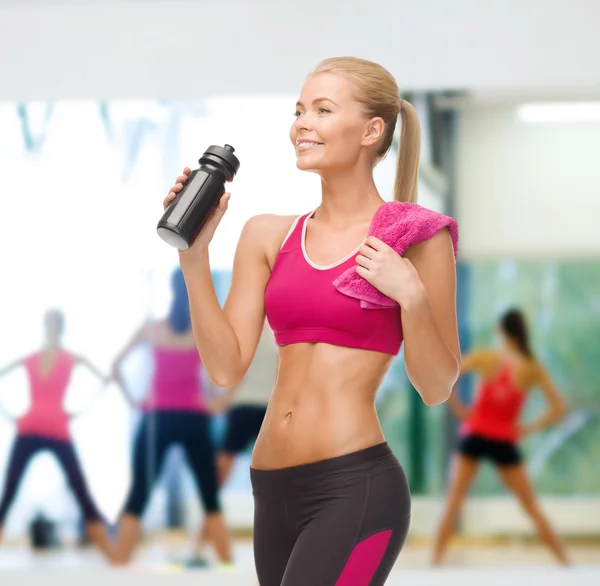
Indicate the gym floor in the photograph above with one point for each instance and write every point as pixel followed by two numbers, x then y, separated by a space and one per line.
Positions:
pixel 517 563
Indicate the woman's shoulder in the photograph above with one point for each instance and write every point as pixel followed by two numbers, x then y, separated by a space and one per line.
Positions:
pixel 269 223
pixel 484 360
pixel 268 229
pixel 415 230
pixel 535 367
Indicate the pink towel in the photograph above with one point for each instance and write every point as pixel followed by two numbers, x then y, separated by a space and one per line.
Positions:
pixel 399 225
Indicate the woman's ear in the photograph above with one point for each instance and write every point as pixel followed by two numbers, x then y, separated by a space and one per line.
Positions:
pixel 373 131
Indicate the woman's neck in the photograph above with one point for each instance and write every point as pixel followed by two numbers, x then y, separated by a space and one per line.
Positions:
pixel 348 198
pixel 512 350
pixel 51 347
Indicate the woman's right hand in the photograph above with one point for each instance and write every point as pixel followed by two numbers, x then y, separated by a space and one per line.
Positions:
pixel 177 187
pixel 208 230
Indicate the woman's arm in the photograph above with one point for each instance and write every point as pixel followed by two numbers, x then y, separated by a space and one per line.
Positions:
pixel 429 323
pixel 473 361
pixel 103 378
pixel 423 282
pixel 11 366
pixel 227 338
pixel 140 336
pixel 556 404
pixel 3 371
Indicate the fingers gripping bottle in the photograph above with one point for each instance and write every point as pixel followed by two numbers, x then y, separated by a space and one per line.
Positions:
pixel 201 193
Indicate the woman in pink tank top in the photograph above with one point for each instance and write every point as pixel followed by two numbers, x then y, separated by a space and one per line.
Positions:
pixel 332 503
pixel 492 428
pixel 45 426
pixel 175 413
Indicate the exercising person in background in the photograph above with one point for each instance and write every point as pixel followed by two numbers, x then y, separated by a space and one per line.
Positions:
pixel 246 403
pixel 174 413
pixel 45 426
pixel 491 427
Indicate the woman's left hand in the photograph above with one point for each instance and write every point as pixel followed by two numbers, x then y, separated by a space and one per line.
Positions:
pixel 390 273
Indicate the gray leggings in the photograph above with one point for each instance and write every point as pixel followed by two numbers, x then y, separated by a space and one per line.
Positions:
pixel 336 522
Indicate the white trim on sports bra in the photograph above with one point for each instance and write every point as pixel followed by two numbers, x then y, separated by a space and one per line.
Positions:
pixel 310 262
pixel 294 224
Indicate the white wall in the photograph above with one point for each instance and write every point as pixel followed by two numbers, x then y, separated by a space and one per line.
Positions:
pixel 527 190
pixel 188 49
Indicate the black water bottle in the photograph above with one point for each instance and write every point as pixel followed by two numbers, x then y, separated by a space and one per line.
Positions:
pixel 201 193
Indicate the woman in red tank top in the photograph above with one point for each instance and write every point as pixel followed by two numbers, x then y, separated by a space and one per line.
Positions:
pixel 45 427
pixel 491 427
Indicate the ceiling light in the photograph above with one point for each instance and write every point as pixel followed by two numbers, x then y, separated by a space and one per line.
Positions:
pixel 560 112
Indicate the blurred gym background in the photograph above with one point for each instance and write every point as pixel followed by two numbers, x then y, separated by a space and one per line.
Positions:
pixel 103 103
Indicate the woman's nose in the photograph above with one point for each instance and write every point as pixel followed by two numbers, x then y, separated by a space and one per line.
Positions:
pixel 304 122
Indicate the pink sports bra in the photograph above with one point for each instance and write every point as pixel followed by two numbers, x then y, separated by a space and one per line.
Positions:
pixel 302 305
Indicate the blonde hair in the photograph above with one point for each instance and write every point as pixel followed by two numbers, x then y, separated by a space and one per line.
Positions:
pixel 378 92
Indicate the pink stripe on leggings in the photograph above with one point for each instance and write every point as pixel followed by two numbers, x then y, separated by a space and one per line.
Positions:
pixel 364 560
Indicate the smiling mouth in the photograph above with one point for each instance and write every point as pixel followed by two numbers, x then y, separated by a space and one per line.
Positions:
pixel 303 145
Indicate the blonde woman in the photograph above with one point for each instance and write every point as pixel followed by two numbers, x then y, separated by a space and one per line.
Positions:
pixel 332 503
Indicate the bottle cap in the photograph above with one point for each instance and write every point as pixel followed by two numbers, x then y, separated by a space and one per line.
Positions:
pixel 222 157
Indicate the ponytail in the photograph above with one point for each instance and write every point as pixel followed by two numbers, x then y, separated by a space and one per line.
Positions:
pixel 407 166
pixel 514 325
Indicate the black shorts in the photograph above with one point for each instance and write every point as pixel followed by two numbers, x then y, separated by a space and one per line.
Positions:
pixel 501 453
pixel 338 521
pixel 243 425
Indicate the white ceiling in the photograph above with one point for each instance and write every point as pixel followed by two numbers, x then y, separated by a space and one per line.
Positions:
pixel 188 49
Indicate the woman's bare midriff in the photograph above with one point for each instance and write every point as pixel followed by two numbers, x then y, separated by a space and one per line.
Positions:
pixel 323 405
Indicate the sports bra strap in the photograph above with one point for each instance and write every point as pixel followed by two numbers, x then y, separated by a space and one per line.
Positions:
pixel 295 228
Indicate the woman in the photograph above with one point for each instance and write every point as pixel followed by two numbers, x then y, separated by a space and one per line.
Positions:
pixel 45 426
pixel 332 503
pixel 491 428
pixel 175 413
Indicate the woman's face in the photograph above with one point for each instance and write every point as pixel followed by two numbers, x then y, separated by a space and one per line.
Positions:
pixel 330 129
